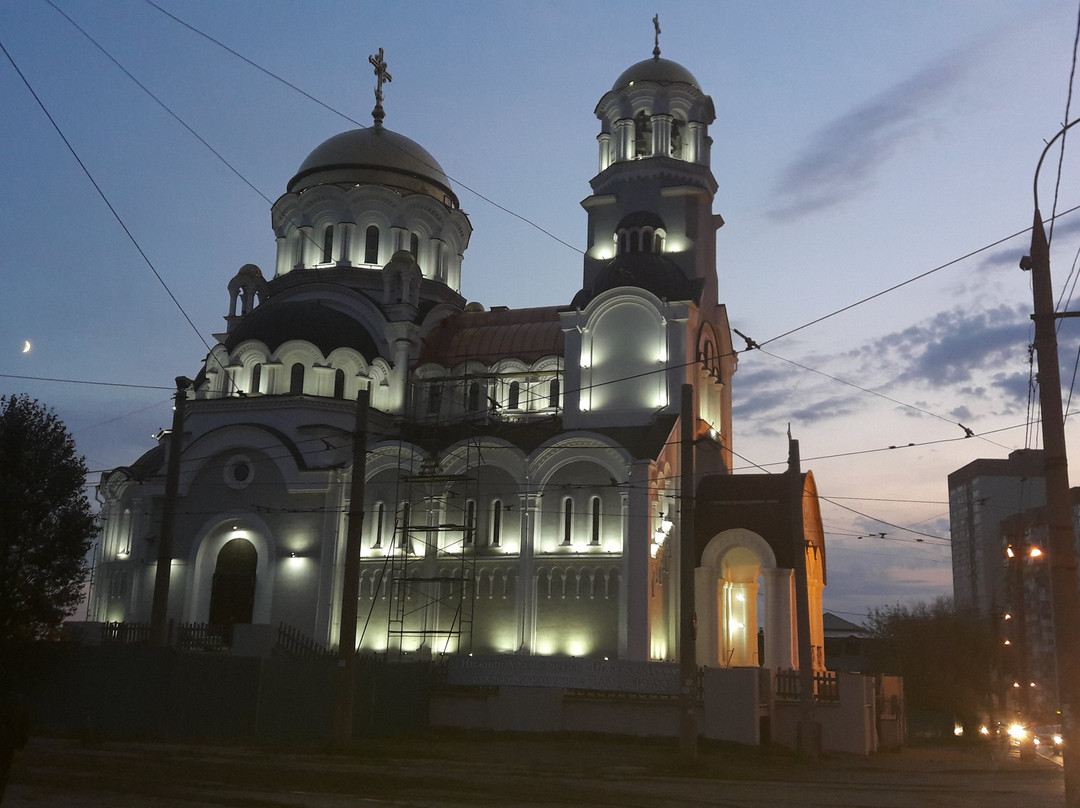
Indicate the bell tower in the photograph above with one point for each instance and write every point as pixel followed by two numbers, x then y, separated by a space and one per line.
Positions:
pixel 655 188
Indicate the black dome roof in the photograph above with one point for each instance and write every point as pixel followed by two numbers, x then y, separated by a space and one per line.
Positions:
pixel 276 323
pixel 660 71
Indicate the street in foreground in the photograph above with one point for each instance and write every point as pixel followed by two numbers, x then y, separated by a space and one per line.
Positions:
pixel 525 771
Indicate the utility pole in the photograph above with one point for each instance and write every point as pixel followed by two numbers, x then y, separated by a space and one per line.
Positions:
pixel 350 588
pixel 1065 597
pixel 688 729
pixel 808 738
pixel 159 611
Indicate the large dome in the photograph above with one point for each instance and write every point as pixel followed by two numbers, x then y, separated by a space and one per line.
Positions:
pixel 660 71
pixel 374 155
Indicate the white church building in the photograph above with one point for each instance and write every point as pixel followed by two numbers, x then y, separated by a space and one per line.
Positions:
pixel 522 493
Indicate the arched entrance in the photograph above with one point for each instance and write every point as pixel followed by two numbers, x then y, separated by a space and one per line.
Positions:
pixel 726 596
pixel 232 597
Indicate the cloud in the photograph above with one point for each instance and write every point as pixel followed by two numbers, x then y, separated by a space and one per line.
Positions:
pixel 841 160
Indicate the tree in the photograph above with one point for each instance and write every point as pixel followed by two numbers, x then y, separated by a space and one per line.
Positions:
pixel 46 526
pixel 946 657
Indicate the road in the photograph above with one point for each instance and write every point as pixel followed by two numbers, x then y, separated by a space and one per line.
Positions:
pixel 451 771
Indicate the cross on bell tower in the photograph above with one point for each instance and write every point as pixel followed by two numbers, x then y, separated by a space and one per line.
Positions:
pixel 381 73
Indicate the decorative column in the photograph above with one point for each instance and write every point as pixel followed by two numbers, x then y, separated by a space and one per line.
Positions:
pixel 661 135
pixel 634 586
pixel 604 141
pixel 780 651
pixel 624 140
pixel 525 595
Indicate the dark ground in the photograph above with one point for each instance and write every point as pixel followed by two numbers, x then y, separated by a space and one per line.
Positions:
pixel 439 770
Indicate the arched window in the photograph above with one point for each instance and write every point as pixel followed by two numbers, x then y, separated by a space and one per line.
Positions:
pixel 339 383
pixel 377 532
pixel 371 246
pixel 256 378
pixel 635 243
pixel 406 512
pixel 470 521
pixel 658 242
pixel 594 526
pixel 514 401
pixel 472 403
pixel 553 393
pixel 328 245
pixel 642 134
pixel 434 402
pixel 296 380
pixel 414 245
pixel 568 521
pixel 496 522
pixel 622 243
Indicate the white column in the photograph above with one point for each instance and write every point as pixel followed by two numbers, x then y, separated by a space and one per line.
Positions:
pixel 780 648
pixel 709 614
pixel 624 140
pixel 634 586
pixel 343 248
pixel 526 589
pixel 303 247
pixel 661 135
pixel 282 264
pixel 604 140
pixel 693 147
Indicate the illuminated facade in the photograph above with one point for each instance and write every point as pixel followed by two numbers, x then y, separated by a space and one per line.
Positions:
pixel 522 490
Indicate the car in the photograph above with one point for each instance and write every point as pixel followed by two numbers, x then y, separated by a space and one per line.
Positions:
pixel 1050 738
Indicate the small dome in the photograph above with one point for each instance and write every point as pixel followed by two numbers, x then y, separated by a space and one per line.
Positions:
pixel 656 70
pixel 374 155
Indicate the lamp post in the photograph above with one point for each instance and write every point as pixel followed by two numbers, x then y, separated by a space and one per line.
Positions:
pixel 1065 597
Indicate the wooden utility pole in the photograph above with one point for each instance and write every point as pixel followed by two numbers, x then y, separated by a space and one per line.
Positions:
pixel 159 611
pixel 350 588
pixel 1065 596
pixel 688 729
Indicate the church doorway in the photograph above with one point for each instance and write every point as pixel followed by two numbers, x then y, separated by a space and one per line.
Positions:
pixel 232 598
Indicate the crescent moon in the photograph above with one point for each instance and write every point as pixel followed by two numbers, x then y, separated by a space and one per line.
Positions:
pixel 26 346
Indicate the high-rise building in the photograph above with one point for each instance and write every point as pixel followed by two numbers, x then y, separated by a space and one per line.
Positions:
pixel 981 495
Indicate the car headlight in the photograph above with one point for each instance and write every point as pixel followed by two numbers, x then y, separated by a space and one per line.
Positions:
pixel 1017 732
pixel 1057 739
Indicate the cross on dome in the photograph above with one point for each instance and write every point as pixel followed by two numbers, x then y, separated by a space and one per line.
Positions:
pixel 381 73
pixel 656 40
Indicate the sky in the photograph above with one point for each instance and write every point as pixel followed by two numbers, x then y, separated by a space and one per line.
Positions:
pixel 858 146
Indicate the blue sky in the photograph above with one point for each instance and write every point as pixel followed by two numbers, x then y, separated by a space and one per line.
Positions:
pixel 857 145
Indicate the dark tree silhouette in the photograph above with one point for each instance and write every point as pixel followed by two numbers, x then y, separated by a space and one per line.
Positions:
pixel 946 657
pixel 46 527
